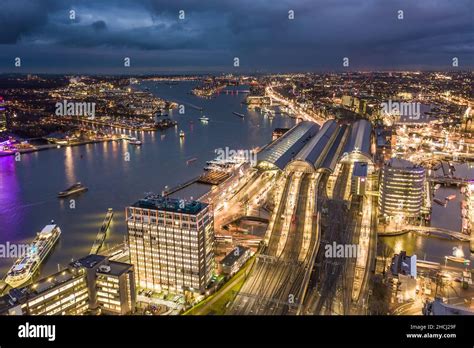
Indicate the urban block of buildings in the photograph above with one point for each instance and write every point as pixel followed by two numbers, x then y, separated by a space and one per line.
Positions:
pixel 92 284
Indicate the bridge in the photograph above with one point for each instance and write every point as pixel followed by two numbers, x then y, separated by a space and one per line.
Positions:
pixel 427 230
pixel 450 181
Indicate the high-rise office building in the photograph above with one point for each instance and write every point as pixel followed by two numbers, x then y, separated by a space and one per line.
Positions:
pixel 171 243
pixel 401 189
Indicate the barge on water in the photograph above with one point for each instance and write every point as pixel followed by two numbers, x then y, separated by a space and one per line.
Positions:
pixel 74 189
pixel 238 114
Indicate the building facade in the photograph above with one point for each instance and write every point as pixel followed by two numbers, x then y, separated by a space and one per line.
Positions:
pixel 91 284
pixel 115 284
pixel 401 189
pixel 171 243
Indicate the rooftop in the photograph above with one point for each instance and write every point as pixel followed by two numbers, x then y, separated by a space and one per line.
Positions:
pixel 360 169
pixel 41 286
pixel 401 163
pixel 360 138
pixel 158 202
pixel 88 261
pixel 281 151
pixel 114 268
pixel 334 153
pixel 234 255
pixel 441 308
pixel 315 149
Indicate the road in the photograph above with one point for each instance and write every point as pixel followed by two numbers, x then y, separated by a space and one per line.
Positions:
pixel 294 107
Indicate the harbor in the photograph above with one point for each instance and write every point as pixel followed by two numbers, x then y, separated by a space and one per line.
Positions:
pixel 162 160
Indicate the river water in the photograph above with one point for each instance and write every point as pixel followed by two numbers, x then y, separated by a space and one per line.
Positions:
pixel 28 188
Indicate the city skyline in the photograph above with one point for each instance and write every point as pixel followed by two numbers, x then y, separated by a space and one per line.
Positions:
pixel 247 159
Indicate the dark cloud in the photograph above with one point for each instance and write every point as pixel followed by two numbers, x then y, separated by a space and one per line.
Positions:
pixel 259 32
pixel 99 25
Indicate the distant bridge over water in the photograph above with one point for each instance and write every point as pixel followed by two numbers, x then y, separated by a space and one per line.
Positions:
pixel 427 231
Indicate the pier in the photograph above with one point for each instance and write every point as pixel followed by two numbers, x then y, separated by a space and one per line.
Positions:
pixel 172 190
pixel 99 240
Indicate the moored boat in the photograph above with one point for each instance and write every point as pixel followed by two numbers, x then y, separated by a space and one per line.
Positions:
pixel 27 265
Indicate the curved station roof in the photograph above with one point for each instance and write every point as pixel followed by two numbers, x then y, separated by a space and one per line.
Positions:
pixel 281 151
pixel 359 143
pixel 307 147
pixel 314 153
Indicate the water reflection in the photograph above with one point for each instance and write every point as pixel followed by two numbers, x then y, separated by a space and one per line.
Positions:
pixel 30 186
pixel 69 165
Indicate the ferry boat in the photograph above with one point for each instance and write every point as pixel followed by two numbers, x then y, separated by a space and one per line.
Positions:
pixel 135 142
pixel 237 114
pixel 6 148
pixel 204 119
pixel 74 189
pixel 26 266
pixel 181 134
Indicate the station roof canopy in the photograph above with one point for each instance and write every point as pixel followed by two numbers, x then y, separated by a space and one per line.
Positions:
pixel 334 153
pixel 359 141
pixel 315 151
pixel 282 151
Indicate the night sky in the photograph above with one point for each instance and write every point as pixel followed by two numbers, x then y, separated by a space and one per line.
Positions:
pixel 213 32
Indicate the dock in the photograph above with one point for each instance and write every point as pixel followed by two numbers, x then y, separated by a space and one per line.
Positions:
pixel 179 187
pixel 99 240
